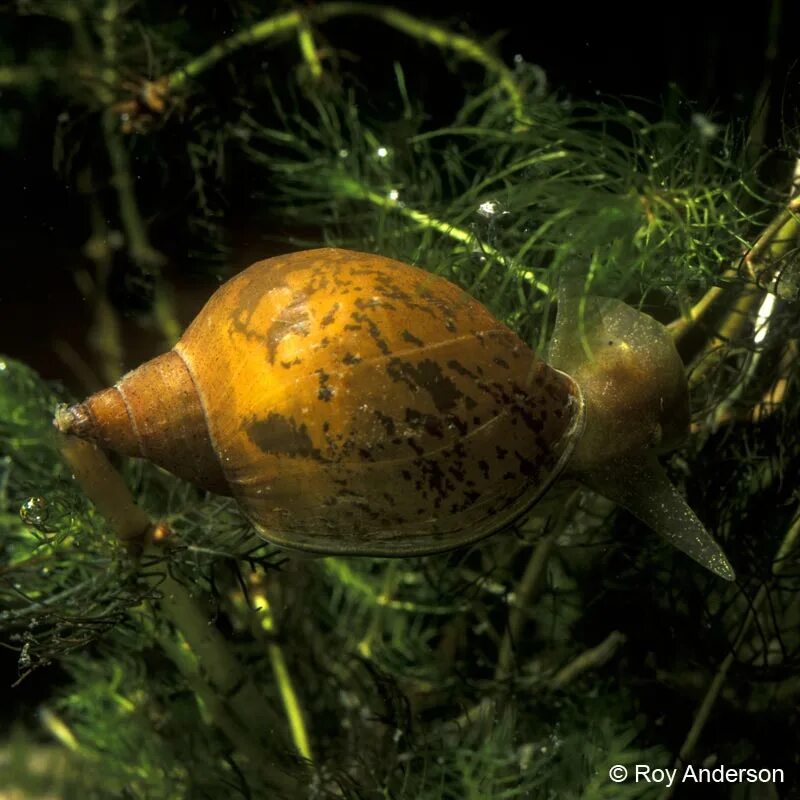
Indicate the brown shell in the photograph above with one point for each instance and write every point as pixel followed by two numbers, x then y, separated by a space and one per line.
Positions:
pixel 359 405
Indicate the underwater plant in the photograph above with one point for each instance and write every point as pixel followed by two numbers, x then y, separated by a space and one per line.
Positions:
pixel 174 650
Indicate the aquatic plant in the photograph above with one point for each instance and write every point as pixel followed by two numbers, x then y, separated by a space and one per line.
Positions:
pixel 186 657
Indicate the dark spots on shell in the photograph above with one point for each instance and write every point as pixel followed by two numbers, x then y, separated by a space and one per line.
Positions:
pixel 365 454
pixel 450 325
pixel 282 436
pixel 374 272
pixel 458 423
pixel 457 473
pixel 406 474
pixel 341 282
pixel 293 320
pixel 459 368
pixel 373 302
pixel 476 421
pixel 558 413
pixel 387 422
pixel 411 339
pixel 500 452
pixel 526 466
pixel 392 291
pixel 523 410
pixel 469 402
pixel 483 466
pixel 350 359
pixel 501 362
pixel 470 498
pixel 426 375
pixel 435 478
pixel 329 318
pixel 459 451
pixel 509 476
pixel 412 443
pixel 324 393
pixel 420 421
pixel 351 327
pixel 555 391
pixel 373 329
pixel 288 364
pixel 319 281
pixel 326 426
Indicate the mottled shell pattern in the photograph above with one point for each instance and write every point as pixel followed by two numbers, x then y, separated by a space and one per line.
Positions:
pixel 359 405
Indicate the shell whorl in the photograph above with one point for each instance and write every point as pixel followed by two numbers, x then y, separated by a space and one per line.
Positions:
pixel 153 412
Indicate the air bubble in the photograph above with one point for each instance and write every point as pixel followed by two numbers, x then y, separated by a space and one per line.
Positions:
pixel 35 512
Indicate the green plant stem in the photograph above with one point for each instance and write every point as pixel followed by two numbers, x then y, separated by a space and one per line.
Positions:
pixel 280 24
pixel 181 655
pixel 140 249
pixel 729 329
pixel 590 659
pixel 527 593
pixel 264 630
pixel 790 541
pixel 530 588
pixel 352 188
pixel 212 660
pixel 779 237
pixel 305 40
pixel 774 243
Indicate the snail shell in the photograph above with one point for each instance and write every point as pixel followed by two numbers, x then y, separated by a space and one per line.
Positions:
pixel 354 404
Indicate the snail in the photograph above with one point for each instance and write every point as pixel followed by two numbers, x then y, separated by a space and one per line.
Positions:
pixel 353 404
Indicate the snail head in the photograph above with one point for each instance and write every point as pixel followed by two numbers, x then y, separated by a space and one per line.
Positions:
pixel 636 402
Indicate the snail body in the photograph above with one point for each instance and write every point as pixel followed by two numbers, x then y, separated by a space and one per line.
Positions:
pixel 353 404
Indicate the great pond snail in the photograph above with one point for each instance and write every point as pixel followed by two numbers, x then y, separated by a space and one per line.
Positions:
pixel 353 404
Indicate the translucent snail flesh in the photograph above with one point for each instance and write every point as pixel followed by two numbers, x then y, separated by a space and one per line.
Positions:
pixel 354 404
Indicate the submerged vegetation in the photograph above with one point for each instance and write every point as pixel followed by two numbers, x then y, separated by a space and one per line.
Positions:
pixel 203 662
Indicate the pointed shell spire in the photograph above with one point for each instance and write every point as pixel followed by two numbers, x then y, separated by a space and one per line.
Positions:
pixel 153 412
